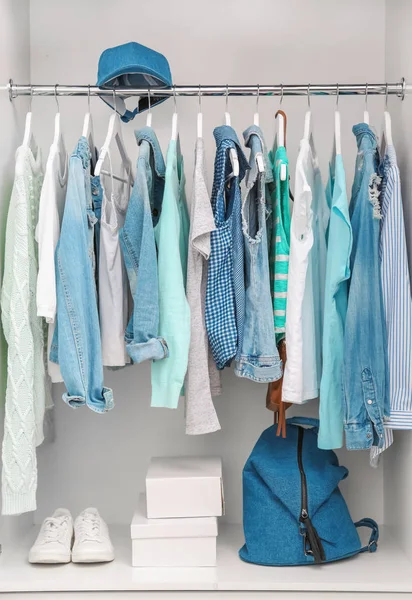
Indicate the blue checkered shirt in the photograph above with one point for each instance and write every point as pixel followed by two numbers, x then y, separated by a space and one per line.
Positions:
pixel 225 292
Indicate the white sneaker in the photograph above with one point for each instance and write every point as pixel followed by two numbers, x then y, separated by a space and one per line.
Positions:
pixel 91 538
pixel 54 542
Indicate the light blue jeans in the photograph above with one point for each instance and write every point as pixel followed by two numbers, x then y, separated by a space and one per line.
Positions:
pixel 139 250
pixel 259 357
pixel 76 343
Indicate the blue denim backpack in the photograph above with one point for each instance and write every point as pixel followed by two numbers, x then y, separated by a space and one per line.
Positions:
pixel 293 510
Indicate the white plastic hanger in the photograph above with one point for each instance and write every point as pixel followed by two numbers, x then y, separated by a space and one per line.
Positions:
pixel 28 139
pixel 227 113
pixel 232 152
pixel 366 112
pixel 58 136
pixel 175 132
pixel 256 115
pixel 88 123
pixel 114 132
pixel 338 143
pixel 281 141
pixel 308 119
pixel 259 158
pixel 149 114
pixel 387 125
pixel 200 117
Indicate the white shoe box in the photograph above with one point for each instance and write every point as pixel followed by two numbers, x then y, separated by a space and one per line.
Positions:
pixel 172 542
pixel 184 487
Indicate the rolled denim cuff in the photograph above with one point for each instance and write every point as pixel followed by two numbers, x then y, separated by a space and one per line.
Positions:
pixel 263 369
pixel 358 437
pixel 153 349
pixel 74 401
pixel 99 405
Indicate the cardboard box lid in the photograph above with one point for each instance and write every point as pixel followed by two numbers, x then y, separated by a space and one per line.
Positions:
pixel 144 528
pixel 182 467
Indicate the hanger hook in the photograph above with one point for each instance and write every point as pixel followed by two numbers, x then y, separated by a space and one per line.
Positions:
pixel 149 99
pixel 200 99
pixel 337 96
pixel 386 96
pixel 31 97
pixel 88 96
pixel 257 98
pixel 308 94
pixel 174 97
pixel 114 100
pixel 227 97
pixel 55 97
pixel 366 96
pixel 281 94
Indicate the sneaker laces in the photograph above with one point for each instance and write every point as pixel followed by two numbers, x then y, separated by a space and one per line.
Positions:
pixel 89 527
pixel 54 530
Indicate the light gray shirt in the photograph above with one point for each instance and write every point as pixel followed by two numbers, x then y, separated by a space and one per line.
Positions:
pixel 203 378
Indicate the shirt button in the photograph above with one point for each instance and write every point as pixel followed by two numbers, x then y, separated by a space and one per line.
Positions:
pixel 370 401
pixel 369 435
pixel 94 192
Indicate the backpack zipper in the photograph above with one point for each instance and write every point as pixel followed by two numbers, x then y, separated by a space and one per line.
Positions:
pixel 312 542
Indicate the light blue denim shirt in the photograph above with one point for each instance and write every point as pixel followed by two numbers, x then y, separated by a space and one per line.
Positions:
pixel 137 240
pixel 259 358
pixel 76 342
pixel 366 378
pixel 336 304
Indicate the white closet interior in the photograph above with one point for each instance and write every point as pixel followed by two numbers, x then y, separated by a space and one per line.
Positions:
pixel 101 460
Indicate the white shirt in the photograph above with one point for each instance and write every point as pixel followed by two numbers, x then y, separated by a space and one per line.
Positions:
pixel 113 283
pixel 307 266
pixel 51 209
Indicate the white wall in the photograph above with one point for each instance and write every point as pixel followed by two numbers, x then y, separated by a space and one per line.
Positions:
pixel 14 63
pixel 398 471
pixel 101 460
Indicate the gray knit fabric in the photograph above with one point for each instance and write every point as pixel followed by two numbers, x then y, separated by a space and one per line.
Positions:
pixel 203 378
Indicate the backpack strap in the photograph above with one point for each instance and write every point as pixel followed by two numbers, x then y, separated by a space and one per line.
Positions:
pixel 373 540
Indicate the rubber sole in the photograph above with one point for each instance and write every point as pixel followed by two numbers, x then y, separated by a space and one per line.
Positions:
pixel 78 558
pixel 49 560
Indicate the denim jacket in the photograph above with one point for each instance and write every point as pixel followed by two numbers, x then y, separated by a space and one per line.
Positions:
pixel 365 376
pixel 76 342
pixel 225 290
pixel 137 240
pixel 259 357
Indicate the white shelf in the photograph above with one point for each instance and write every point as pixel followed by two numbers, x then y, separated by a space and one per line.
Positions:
pixel 388 570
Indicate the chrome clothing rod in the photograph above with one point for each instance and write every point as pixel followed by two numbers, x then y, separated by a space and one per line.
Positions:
pixel 344 89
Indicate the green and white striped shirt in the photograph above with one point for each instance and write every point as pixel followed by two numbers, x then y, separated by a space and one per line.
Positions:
pixel 280 241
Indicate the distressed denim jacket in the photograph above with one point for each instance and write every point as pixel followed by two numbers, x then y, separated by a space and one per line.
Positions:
pixel 76 342
pixel 225 290
pixel 259 357
pixel 137 240
pixel 365 376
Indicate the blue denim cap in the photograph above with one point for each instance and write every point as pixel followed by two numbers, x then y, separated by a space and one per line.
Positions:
pixel 133 65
